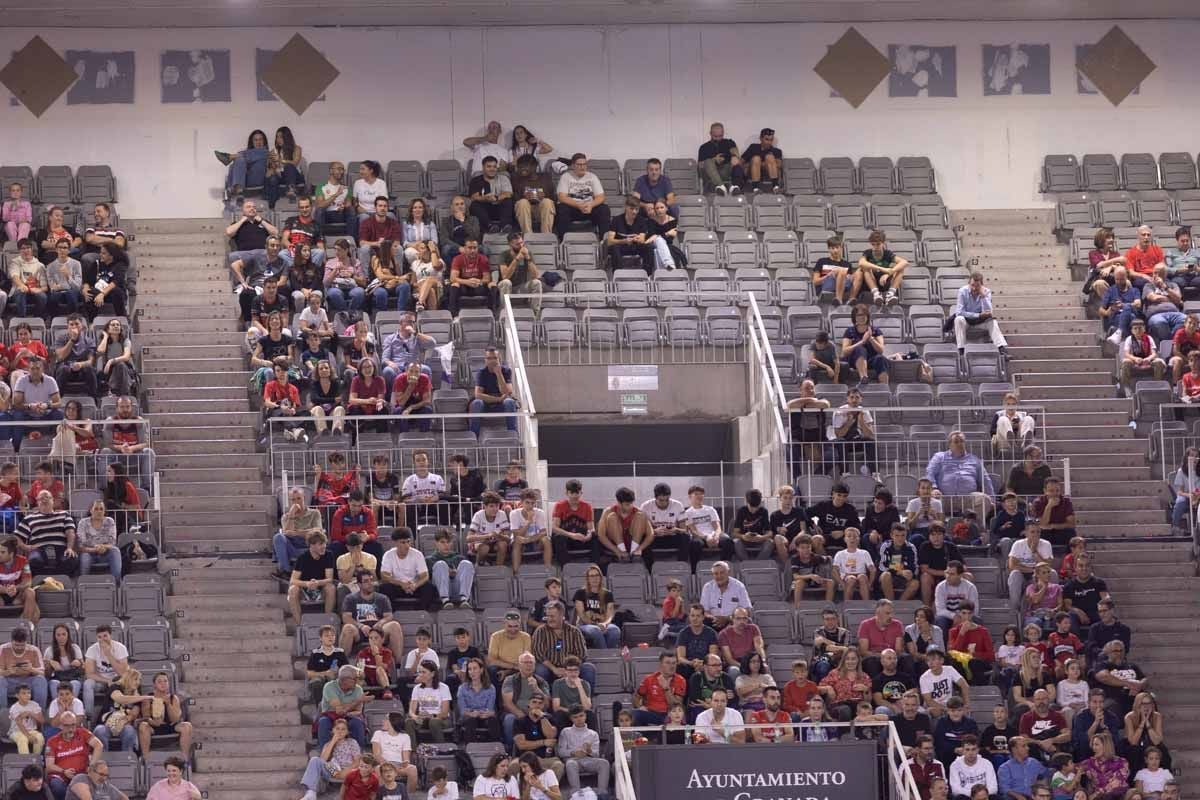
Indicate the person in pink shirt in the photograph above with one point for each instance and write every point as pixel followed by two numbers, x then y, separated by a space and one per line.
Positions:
pixel 876 634
pixel 17 214
pixel 174 787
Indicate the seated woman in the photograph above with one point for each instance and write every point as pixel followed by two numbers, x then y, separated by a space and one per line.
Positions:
pixel 1011 427
pixel 116 357
pixel 751 682
pixel 314 319
pixel 428 276
pixel 1103 260
pixel 120 712
pixel 21 351
pixel 1105 774
pixel 1043 598
pixel 418 227
pixel 455 228
pixel 305 278
pixel 339 757
pixel 74 435
pixel 56 230
pixel 664 230
pixel 96 539
pixel 345 280
pixel 325 399
pixel 283 167
pixel 275 345
pixel 121 498
pixel 333 201
pixel 109 287
pixel 367 392
pixel 524 143
pixel 389 278
pixel 429 706
pixel 247 167
pixel 1032 676
pixel 1144 733
pixel 368 187
pixel 862 346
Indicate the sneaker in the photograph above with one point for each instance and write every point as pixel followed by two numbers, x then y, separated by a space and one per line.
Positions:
pixel 756 188
pixel 464 602
pixel 420 308
pixel 224 158
pixel 890 298
pixel 735 189
pixel 447 604
pixel 722 190
pixel 877 298
pixel 776 188
pixel 1004 351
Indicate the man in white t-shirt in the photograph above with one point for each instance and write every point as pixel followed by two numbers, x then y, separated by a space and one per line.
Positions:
pixel 721 724
pixel 666 516
pixel 488 145
pixel 392 746
pixel 722 596
pixel 1023 558
pixel 530 531
pixel 853 569
pixel 404 574
pixel 937 683
pixel 854 429
pixel 489 531
pixel 580 198
pixel 422 493
pixel 104 662
pixel 703 525
pixel 64 701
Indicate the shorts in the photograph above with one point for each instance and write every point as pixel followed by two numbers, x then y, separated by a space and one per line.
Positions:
pixel 898 581
pixel 533 545
pixel 166 729
pixel 311 595
pixel 828 283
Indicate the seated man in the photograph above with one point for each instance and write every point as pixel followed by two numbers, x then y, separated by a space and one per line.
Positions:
pixel 47 538
pixel 126 435
pixel 623 530
pixel 959 476
pixel 1139 357
pixel 273 300
pixel 1143 257
pixel 517 692
pixel 162 715
pixel 312 578
pixel 21 665
pixel 488 145
pixel 854 429
pixel 452 575
pixel 1162 305
pixel 75 357
pixel 64 281
pixel 518 273
pixel 580 197
pixel 249 234
pixel 573 526
pixel 530 531
pixel 765 161
pixel 402 346
pixel 254 272
pixel 654 186
pixel 973 306
pixel 720 163
pixel 367 610
pixel 882 270
pixel 1055 514
pixel 423 493
pixel 1185 342
pixel 103 228
pixel 295 526
pixel 405 575
pixel 626 238
pixel 412 397
pixel 470 276
pixel 374 229
pixel 703 525
pixel 665 516
pixel 1182 261
pixel 303 229
pixel 72 753
pixel 494 392
pixel 1122 302
pixel 533 189
pixel 830 272
pixel 16 581
pixel 722 596
pixel 752 535
pixel 354 517
pixel 658 691
pixel 28 276
pixel 491 195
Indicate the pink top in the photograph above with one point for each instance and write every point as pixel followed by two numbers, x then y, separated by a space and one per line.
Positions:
pixel 165 791
pixel 18 211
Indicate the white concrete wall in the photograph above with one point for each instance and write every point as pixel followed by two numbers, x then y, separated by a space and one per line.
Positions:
pixel 611 92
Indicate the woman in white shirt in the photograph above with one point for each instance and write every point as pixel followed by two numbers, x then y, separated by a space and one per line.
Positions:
pixel 418 227
pixel 495 783
pixel 428 275
pixel 1072 691
pixel 368 186
pixel 537 783
pixel 429 707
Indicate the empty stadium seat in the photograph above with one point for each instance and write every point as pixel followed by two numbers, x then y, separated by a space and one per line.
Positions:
pixel 837 175
pixel 1075 211
pixel 684 175
pixel 1115 209
pixel 740 249
pixel 810 214
pixel 849 213
pixel 770 212
pixel 54 186
pixel 1155 208
pixel 915 175
pixel 876 175
pixel 672 288
pixel 95 184
pixel 781 249
pixel 1100 173
pixel 1177 171
pixel 731 213
pixel 1139 172
pixel 1060 173
pixel 694 212
pixel 800 176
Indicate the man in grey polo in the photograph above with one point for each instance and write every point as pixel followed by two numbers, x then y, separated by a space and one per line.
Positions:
pixel 35 397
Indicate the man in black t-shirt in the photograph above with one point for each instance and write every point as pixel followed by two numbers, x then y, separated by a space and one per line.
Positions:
pixel 830 272
pixel 933 556
pixel 890 685
pixel 721 163
pixel 264 305
pixel 882 270
pixel 627 235
pixel 1083 593
pixel 249 233
pixel 304 229
pixel 312 578
pixel 752 537
pixel 788 521
pixel 833 516
pixel 254 273
pixel 764 157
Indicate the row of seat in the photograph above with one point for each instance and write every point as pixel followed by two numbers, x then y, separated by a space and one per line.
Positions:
pixel 126 771
pixel 59 185
pixel 767 212
pixel 1102 172
pixel 137 595
pixel 1083 242
pixel 1121 209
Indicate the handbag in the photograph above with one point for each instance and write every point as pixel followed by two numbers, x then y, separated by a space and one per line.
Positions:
pixel 68 674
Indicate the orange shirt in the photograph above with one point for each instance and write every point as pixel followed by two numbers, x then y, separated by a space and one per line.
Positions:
pixel 1142 261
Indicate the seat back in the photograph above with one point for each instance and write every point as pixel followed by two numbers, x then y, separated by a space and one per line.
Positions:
pixel 876 175
pixel 1139 172
pixel 915 175
pixel 1060 173
pixel 837 175
pixel 800 176
pixel 1101 173
pixel 1177 171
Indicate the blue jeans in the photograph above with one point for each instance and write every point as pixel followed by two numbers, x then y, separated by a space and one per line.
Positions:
pixel 642 716
pixel 338 299
pixel 1122 320
pixel 36 683
pixel 249 168
pixel 1164 324
pixel 53 684
pixel 452 587
pixel 662 254
pixel 314 773
pixel 65 302
pixel 607 637
pixel 128 737
pixel 110 557
pixel 417 418
pixel 290 177
pixel 357 730
pixel 479 407
pixel 347 217
pixel 449 251
pixel 402 293
pixel 286 549
pixel 24 301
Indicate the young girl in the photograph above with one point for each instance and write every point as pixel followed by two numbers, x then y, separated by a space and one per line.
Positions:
pixel 1008 659
pixel 1033 639
pixel 1043 598
pixel 1066 778
pixel 1066 570
pixel 1150 780
pixel 865 713
pixel 1072 691
pixel 377 664
pixel 673 732
pixel 674 614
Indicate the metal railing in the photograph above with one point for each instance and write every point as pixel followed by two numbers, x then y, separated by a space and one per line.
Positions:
pixel 725 482
pixel 1178 429
pixel 900 784
pixel 768 405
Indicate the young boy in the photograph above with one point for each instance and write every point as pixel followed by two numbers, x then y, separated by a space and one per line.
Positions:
pixel 922 511
pixel 530 530
pixel 798 690
pixel 452 574
pixel 1066 570
pixel 313 353
pixel 511 485
pixel 64 701
pixel 830 272
pixel 383 487
pixel 323 664
pixel 834 516
pixel 440 788
pixel 938 682
pixel 853 569
pixel 389 787
pixel 361 783
pixel 674 614
pixel 1009 520
pixel 1065 779
pixel 823 364
pixel 704 525
pixel 422 652
pixel 882 270
pixel 898 566
pixel 46 482
pixel 752 536
pixel 457 658
pixel 1063 644
pixel 489 531
pixel 537 615
pixel 11 499
pixel 881 515
pixel 809 571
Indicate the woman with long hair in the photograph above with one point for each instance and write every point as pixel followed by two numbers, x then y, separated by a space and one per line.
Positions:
pixel 389 277
pixel 1103 259
pixel 456 227
pixel 345 279
pixel 109 286
pixel 1143 731
pixel 325 399
pixel 116 356
pixel 862 345
pixel 595 608
pixel 305 277
pixel 367 187
pixel 64 659
pixel 845 686
pixel 524 143
pixel 751 682
pixel 74 435
pixel 275 346
pixel 428 276
pixel 1030 677
pixel 283 167
pixel 246 167
pixel 418 227
pixel 919 637
pixel 1105 774
pixel 537 782
pixel 495 782
pixel 121 497
pixel 124 704
pixel 96 540
pixel 477 704
pixel 367 391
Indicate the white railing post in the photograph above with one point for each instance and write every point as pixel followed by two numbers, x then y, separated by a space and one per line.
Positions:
pixel 527 423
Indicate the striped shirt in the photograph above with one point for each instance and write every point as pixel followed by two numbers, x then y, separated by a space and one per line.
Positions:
pixel 555 646
pixel 42 530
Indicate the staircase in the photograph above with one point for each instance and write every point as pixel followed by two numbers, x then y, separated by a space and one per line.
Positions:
pixel 1057 362
pixel 196 378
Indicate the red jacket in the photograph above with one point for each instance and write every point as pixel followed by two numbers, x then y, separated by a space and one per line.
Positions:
pixel 977 636
pixel 345 523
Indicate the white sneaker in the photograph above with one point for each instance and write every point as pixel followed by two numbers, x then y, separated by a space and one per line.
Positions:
pixel 722 190
pixel 891 299
pixel 877 298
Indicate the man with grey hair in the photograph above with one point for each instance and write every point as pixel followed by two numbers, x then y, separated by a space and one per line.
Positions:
pixel 94 785
pixel 973 307
pixel 960 475
pixel 723 595
pixel 1143 257
pixel 516 691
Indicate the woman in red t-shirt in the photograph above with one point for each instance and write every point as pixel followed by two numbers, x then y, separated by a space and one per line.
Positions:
pixel 845 686
pixel 121 497
pixel 367 392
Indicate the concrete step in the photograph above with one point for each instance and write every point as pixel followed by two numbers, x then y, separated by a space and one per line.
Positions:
pixel 227 364
pixel 1073 447
pixel 153 324
pixel 1093 404
pixel 193 515
pixel 252 764
pixel 1184 569
pixel 236 673
pixel 263 704
pixel 206 306
pixel 1094 363
pixel 218 419
pixel 1079 418
pixel 156 226
pixel 1018 340
pixel 181 385
pixel 241 447
pixel 183 238
pixel 209 719
pixel 174 268
pixel 215 489
pixel 260 793
pixel 217 338
pixel 245 615
pixel 230 535
pixel 158 291
pixel 1034 315
pixel 154 351
pixel 197 603
pixel 1098 460
pixel 1074 379
pixel 231 385
pixel 208 249
pixel 194 474
pixel 1103 505
pixel 1125 488
pixel 264 748
pixel 209 461
pixel 1062 432
pixel 221 580
pixel 279 644
pixel 213 631
pixel 1020 355
pixel 1100 473
pixel 280 692
pixel 1106 531
pixel 211 404
pixel 196 543
pixel 282 784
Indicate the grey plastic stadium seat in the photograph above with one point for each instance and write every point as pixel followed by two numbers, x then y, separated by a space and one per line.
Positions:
pixel 94 183
pixel 810 213
pixel 755 280
pixel 915 175
pixel 672 288
pixel 405 179
pixel 444 177
pixel 1060 173
pixel 949 279
pixel 1177 170
pixel 96 595
pixel 1100 172
pixel 640 327
pixel 890 323
pixel 18 174
pixel 837 175
pixel 1075 211
pixel 544 249
pixel 803 323
pixel 955 394
pixel 609 173
pixel 1139 172
pixel 984 363
pixel 781 249
pixel 800 176
pixel 493 587
pixel 772 322
pixel 915 396
pixel 683 174
pixel 723 325
pixel 1148 395
pixel 731 213
pixel 580 251
pixel 631 288
pixel 889 211
pixel 943 360
pixel 815 246
pixel 703 250
pixel 559 327
pixel 849 213
pixel 317 173
pixel 476 327
pixel 694 212
pixel 1187 206
pixel 903 243
pixel 54 185
pixel 1115 209
pixel 785 363
pixel 794 289
pixel 682 326
pixel 1154 208
pixel 939 248
pixel 1126 237
pixel 740 249
pixel 589 288
pixel 712 287
pixel 926 212
pixel 631 170
pixel 876 175
pixel 1081 245
pixel 436 323
pixel 601 327
pixel 770 212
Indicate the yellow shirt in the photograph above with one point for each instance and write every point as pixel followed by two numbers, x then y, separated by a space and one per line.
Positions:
pixel 500 646
pixel 365 561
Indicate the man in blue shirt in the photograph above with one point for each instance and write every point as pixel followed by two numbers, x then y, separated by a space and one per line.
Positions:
pixel 1182 261
pixel 974 307
pixel 1017 775
pixel 956 473
pixel 654 185
pixel 493 392
pixel 1121 303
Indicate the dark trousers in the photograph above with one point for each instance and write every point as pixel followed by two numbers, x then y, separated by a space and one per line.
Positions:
pixel 564 548
pixel 724 550
pixel 116 297
pixel 493 214
pixel 69 380
pixel 457 293
pixel 246 301
pixel 617 252
pixel 676 547
pixel 564 215
pixel 425 597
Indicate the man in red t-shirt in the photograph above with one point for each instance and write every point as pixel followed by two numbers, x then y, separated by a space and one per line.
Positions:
pixel 658 691
pixel 771 714
pixel 375 229
pixel 973 639
pixel 877 634
pixel 412 394
pixel 1143 257
pixel 470 276
pixel 69 752
pixel 573 526
pixel 1046 728
pixel 739 639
